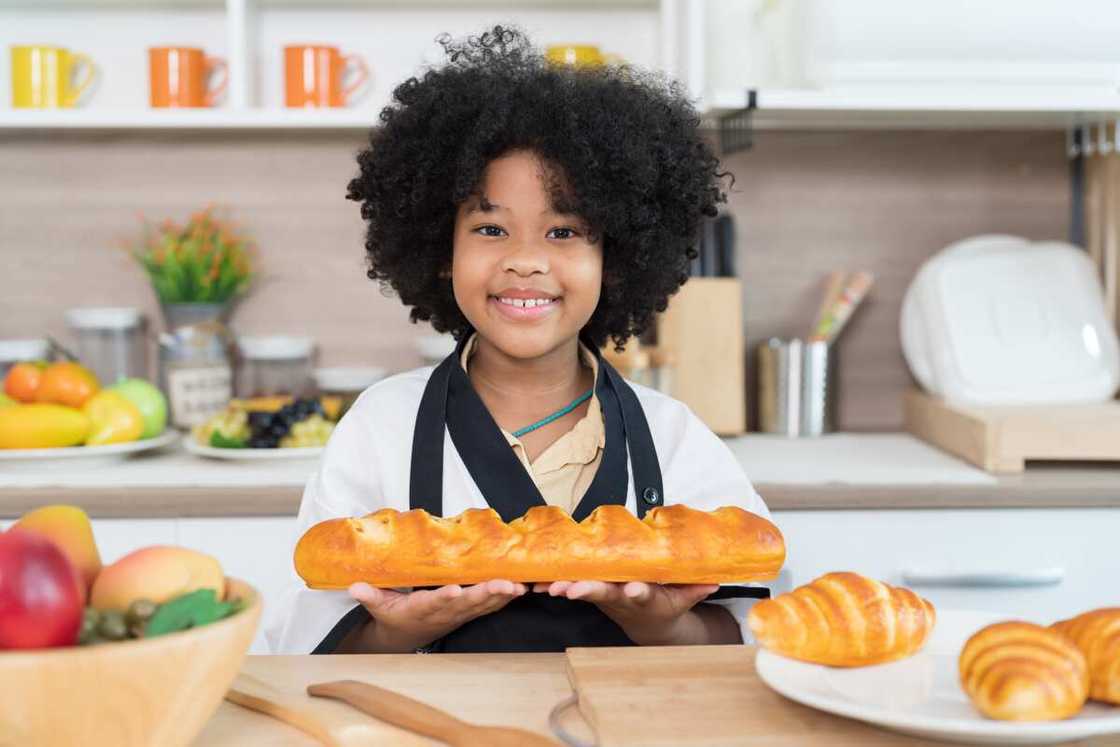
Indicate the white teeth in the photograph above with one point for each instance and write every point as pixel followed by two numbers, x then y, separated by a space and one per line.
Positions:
pixel 525 303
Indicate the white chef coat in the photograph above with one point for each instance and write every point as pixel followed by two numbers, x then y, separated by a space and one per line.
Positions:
pixel 366 466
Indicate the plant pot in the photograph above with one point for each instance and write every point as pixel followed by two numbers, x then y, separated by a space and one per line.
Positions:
pixel 176 315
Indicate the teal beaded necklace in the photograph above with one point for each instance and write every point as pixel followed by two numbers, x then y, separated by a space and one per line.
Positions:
pixel 556 415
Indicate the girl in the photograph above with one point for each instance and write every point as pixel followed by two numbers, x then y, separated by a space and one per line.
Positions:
pixel 534 212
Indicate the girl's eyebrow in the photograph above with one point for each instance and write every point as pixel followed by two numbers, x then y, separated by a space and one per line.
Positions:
pixel 483 205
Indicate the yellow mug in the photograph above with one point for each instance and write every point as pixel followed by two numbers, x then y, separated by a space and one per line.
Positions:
pixel 43 76
pixel 579 55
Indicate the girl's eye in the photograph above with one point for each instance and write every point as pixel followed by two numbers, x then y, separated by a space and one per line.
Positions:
pixel 563 233
pixel 491 231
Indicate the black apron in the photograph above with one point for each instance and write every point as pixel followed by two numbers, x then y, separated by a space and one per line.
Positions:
pixel 533 622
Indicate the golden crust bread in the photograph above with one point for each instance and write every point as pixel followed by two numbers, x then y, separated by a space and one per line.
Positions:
pixel 1018 671
pixel 1097 635
pixel 843 620
pixel 671 545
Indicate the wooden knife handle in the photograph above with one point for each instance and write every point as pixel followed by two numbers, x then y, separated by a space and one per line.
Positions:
pixel 394 708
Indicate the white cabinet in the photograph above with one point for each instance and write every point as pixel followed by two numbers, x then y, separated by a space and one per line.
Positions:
pixel 116 538
pixel 257 550
pixel 982 558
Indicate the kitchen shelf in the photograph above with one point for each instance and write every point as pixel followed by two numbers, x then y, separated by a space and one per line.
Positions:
pixel 190 119
pixel 922 107
pixel 776 109
pixel 390 4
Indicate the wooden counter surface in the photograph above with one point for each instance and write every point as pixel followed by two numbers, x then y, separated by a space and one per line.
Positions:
pixel 514 690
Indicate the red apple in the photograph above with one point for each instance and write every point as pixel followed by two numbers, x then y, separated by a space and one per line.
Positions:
pixel 40 593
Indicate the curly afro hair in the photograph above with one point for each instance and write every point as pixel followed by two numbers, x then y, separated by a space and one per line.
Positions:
pixel 623 144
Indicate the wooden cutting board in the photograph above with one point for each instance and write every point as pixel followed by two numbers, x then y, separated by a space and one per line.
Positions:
pixel 699 695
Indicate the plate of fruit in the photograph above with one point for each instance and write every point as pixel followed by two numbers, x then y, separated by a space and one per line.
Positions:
pixel 60 411
pixel 267 428
pixel 137 651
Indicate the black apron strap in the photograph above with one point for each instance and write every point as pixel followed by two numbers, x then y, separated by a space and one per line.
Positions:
pixel 648 490
pixel 425 481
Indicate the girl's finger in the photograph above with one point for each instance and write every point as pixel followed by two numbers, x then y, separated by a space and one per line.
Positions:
pixel 559 588
pixel 500 586
pixel 428 602
pixel 594 591
pixel 638 592
pixel 365 594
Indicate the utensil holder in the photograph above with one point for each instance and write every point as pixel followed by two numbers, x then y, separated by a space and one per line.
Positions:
pixel 702 332
pixel 797 387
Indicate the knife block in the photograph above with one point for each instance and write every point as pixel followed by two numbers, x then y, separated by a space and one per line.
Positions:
pixel 703 332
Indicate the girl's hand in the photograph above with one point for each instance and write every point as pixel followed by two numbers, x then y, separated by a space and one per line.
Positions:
pixel 650 614
pixel 405 621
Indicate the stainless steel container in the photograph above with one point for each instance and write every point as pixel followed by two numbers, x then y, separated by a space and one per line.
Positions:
pixel 112 342
pixel 797 392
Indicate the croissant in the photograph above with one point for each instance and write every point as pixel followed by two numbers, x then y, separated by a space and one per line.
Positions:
pixel 843 620
pixel 671 545
pixel 1097 635
pixel 1018 671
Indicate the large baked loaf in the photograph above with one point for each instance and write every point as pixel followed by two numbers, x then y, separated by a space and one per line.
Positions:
pixel 1097 635
pixel 843 620
pixel 1019 671
pixel 671 545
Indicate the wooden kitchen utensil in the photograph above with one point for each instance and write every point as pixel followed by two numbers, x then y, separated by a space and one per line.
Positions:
pixel 251 693
pixel 421 718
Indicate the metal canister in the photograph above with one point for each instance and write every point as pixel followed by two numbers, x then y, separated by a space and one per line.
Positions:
pixel 796 387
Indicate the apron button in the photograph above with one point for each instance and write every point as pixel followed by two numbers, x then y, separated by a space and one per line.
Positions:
pixel 651 496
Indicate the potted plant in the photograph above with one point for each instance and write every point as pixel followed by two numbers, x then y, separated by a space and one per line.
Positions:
pixel 197 269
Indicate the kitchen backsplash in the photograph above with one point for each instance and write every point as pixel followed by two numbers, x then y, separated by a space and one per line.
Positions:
pixel 804 203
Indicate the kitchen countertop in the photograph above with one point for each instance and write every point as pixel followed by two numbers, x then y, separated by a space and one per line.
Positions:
pixel 840 471
pixel 513 690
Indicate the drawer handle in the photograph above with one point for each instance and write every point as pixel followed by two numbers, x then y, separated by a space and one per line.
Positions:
pixel 985 579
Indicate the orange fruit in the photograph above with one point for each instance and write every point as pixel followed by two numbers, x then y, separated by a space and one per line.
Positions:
pixel 67 383
pixel 23 380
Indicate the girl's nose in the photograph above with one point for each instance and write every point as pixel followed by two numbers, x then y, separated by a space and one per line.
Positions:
pixel 526 259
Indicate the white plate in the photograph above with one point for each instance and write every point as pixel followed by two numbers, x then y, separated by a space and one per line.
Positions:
pixel 82 456
pixel 213 452
pixel 921 695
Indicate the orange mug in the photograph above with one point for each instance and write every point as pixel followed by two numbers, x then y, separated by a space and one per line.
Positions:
pixel 179 77
pixel 313 76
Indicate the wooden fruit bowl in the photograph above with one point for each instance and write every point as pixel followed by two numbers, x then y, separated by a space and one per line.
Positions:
pixel 156 692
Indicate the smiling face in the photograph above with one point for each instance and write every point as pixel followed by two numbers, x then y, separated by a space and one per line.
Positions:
pixel 526 276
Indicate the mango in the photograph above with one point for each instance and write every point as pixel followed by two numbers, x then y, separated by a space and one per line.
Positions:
pixel 67 383
pixel 42 426
pixel 6 401
pixel 158 573
pixel 113 419
pixel 67 527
